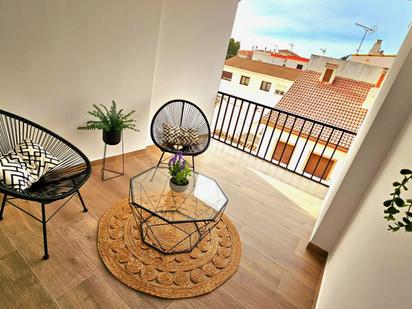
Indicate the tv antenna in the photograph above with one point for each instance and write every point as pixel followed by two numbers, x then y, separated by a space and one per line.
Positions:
pixel 291 45
pixel 367 30
pixel 323 50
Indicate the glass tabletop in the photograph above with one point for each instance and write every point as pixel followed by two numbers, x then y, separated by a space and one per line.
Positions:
pixel 203 200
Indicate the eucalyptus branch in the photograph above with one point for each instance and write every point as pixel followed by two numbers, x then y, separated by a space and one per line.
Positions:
pixel 397 204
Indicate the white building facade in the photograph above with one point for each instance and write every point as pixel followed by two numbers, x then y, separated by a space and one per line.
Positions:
pixel 257 82
pixel 375 57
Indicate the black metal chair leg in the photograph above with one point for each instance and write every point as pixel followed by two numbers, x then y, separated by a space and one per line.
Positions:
pixel 81 200
pixel 3 204
pixel 160 160
pixel 193 163
pixel 43 221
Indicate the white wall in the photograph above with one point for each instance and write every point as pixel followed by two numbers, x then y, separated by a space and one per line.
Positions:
pixel 58 57
pixel 368 266
pixel 193 41
pixel 381 126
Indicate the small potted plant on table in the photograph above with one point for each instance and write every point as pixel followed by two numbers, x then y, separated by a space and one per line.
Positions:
pixel 110 121
pixel 179 171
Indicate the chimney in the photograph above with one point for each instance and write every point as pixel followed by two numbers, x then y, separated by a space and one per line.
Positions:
pixel 376 49
pixel 381 78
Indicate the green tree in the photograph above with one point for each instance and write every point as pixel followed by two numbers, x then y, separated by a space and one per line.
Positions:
pixel 233 48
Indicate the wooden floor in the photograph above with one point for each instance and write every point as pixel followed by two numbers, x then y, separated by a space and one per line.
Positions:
pixel 276 270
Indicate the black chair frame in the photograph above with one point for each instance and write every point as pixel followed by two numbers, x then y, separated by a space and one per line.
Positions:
pixel 181 113
pixel 64 181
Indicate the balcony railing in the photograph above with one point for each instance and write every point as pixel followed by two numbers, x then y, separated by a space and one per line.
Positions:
pixel 307 147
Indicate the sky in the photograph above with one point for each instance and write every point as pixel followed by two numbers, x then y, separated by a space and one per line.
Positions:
pixel 312 25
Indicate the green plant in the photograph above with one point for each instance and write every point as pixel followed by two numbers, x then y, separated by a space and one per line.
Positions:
pixel 179 170
pixel 233 48
pixel 109 119
pixel 397 204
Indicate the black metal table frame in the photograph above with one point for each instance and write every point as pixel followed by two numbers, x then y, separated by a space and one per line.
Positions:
pixel 141 220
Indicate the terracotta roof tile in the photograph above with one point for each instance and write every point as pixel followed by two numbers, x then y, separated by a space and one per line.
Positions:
pixel 289 57
pixel 287 52
pixel 263 68
pixel 338 104
pixel 246 53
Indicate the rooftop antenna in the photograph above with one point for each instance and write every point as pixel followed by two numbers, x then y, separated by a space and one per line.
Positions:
pixel 367 30
pixel 291 45
pixel 323 50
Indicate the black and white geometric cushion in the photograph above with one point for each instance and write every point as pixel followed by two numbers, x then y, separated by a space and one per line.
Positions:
pixel 173 135
pixel 16 173
pixel 189 136
pixel 34 154
pixel 170 134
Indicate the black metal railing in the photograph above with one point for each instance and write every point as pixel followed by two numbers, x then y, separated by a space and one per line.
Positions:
pixel 307 147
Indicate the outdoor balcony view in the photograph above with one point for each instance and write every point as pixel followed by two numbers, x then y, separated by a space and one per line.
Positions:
pixel 300 113
pixel 205 154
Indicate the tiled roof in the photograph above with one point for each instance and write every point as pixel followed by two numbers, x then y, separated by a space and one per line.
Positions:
pixel 289 57
pixel 245 54
pixel 263 68
pixel 287 52
pixel 338 104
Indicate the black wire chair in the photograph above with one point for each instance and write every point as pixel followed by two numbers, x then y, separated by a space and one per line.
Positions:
pixel 183 114
pixel 62 181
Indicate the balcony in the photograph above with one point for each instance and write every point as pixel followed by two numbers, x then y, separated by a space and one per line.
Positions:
pixel 309 148
pixel 273 209
pixel 59 57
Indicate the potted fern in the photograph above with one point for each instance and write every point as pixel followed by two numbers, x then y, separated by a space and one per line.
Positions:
pixel 111 121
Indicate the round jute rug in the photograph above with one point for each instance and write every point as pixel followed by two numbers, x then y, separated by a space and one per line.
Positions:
pixel 214 260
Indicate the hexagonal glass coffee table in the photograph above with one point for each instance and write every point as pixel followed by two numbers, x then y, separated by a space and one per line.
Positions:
pixel 171 221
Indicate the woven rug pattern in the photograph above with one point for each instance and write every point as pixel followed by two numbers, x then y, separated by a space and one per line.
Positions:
pixel 214 260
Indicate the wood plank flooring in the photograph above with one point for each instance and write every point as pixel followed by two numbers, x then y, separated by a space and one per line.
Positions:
pixel 276 270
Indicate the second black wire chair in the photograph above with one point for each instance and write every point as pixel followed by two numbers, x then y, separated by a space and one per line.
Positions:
pixel 184 114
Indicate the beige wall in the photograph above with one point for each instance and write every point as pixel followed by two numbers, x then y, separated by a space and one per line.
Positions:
pixel 193 41
pixel 380 128
pixel 347 69
pixel 371 267
pixel 57 57
pixel 380 61
pixel 368 266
